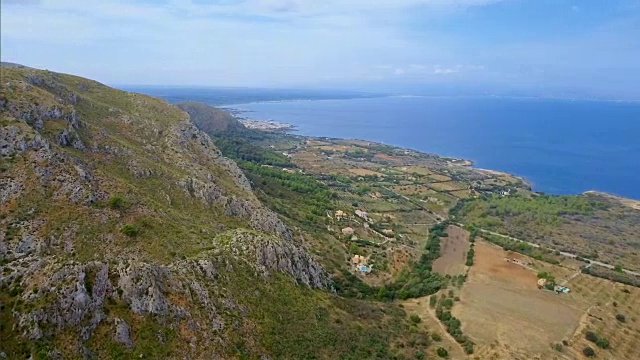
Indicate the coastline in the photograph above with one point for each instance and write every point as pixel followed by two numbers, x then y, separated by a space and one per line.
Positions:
pixel 290 129
pixel 515 140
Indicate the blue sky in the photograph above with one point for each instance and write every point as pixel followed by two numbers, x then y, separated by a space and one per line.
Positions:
pixel 540 47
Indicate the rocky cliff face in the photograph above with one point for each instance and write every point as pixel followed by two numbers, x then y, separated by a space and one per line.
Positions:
pixel 122 225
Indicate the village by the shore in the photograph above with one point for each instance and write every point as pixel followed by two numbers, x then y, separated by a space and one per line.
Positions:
pixel 265 125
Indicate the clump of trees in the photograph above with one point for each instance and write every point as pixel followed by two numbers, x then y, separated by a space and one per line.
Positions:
pixel 442 352
pixel 541 210
pixel 420 280
pixel 243 147
pixel 470 255
pixel 309 199
pixel 601 342
pixel 613 275
pixel 452 324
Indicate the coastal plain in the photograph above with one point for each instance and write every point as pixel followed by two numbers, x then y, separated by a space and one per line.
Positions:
pixel 404 192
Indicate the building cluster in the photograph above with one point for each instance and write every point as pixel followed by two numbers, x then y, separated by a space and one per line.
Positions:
pixel 360 263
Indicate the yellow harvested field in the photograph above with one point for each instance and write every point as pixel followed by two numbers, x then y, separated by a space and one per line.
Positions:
pixel 453 252
pixel 501 305
pixel 462 193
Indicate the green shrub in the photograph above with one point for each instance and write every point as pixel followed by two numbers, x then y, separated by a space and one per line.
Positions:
pixel 116 202
pixel 419 355
pixel 591 336
pixel 436 336
pixel 15 291
pixel 468 348
pixel 442 352
pixel 558 347
pixel 621 318
pixel 588 351
pixel 415 319
pixel 602 343
pixel 594 338
pixel 448 303
pixel 129 230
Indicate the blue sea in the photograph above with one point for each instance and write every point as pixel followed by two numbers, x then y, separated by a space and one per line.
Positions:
pixel 559 146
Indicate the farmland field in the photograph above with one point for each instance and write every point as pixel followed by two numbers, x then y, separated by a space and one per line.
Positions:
pixel 523 318
pixel 453 250
pixel 607 299
pixel 447 186
pixel 412 190
pixel 363 172
pixel 420 170
pixel 462 193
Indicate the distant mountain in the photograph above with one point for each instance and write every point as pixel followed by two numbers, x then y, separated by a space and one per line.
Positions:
pixel 210 119
pixel 229 95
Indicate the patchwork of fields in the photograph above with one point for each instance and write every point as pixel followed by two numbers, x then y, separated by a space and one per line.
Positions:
pixel 499 305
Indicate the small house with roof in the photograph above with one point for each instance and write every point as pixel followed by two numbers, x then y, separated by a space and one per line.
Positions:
pixel 348 231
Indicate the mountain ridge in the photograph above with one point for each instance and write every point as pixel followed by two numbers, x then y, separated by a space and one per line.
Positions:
pixel 126 233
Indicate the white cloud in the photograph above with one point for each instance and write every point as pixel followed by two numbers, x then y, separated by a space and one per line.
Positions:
pixel 444 70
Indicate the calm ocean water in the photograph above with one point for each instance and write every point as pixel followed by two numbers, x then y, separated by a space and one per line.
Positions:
pixel 560 146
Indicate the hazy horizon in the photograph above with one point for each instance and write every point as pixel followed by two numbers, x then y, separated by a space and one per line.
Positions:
pixel 552 48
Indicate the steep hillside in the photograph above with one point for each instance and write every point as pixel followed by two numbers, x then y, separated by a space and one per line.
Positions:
pixel 125 233
pixel 210 119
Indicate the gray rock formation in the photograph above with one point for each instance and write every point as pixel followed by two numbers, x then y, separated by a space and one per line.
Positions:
pixel 123 333
pixel 267 254
pixel 67 265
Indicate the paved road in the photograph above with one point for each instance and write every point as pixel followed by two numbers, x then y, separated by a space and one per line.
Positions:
pixel 563 253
